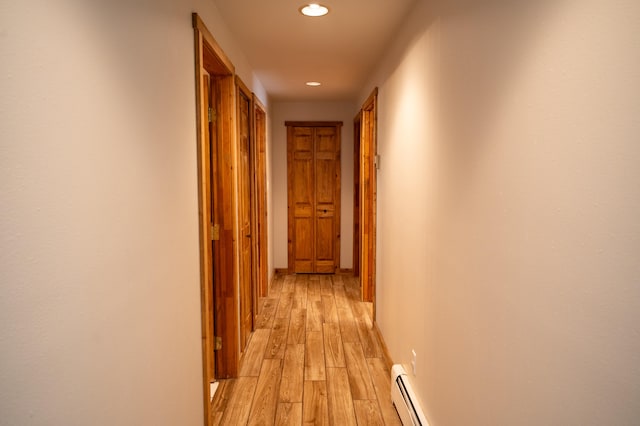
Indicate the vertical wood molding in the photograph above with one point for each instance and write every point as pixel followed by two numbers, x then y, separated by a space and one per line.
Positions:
pixel 246 229
pixel 368 197
pixel 260 138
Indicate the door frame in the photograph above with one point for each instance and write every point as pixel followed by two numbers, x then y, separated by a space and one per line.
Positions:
pixel 218 274
pixel 291 209
pixel 243 90
pixel 261 224
pixel 368 118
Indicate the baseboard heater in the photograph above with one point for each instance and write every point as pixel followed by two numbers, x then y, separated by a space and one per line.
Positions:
pixel 404 398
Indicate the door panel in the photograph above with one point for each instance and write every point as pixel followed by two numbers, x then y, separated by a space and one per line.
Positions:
pixel 314 193
pixel 304 201
pixel 324 245
pixel 325 181
pixel 327 194
pixel 304 246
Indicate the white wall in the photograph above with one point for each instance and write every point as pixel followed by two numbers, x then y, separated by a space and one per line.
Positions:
pixel 508 210
pixel 99 272
pixel 311 111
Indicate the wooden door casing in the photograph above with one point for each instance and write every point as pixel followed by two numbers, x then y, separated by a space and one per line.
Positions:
pixel 313 173
pixel 208 269
pixel 368 198
pixel 261 237
pixel 245 214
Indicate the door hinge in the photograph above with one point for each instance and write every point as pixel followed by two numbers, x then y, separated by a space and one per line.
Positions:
pixel 215 232
pixel 212 115
pixel 217 345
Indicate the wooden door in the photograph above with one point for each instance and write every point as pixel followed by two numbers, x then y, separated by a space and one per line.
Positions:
pixel 244 206
pixel 313 173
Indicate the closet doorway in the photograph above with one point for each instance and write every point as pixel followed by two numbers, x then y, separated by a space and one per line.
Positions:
pixel 313 186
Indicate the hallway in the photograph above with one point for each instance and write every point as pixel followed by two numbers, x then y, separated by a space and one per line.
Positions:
pixel 314 358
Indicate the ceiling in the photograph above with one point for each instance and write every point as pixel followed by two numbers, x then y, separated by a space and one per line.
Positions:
pixel 287 49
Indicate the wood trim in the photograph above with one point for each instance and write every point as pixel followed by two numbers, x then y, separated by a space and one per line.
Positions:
pixel 243 90
pixel 345 271
pixel 218 273
pixel 206 278
pixel 313 123
pixel 227 358
pixel 290 207
pixel 371 100
pixel 280 271
pixel 385 350
pixel 199 26
pixel 368 198
pixel 258 103
pixel 260 137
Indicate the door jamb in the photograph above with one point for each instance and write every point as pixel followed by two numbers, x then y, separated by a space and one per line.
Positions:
pixel 244 90
pixel 259 116
pixel 368 197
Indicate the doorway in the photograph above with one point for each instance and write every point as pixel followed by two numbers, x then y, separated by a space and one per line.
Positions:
pixel 261 241
pixel 215 102
pixel 313 189
pixel 366 191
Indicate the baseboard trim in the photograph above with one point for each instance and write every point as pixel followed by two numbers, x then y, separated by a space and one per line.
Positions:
pixel 285 271
pixel 386 356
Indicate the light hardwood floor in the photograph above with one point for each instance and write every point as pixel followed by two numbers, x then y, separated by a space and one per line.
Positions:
pixel 313 359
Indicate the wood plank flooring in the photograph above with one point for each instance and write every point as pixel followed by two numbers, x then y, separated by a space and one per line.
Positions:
pixel 313 359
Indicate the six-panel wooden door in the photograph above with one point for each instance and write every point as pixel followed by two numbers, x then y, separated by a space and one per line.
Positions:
pixel 313 174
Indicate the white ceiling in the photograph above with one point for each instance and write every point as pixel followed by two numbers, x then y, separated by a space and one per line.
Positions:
pixel 287 49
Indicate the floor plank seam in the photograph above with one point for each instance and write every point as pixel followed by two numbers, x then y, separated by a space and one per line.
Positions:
pixel 314 358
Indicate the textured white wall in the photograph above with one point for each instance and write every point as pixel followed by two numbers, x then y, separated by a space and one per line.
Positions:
pixel 508 202
pixel 311 111
pixel 99 272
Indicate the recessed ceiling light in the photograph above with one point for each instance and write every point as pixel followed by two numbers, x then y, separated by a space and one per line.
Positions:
pixel 314 9
pixel 313 83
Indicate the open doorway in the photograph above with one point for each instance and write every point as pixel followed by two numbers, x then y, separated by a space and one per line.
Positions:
pixel 215 103
pixel 365 189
